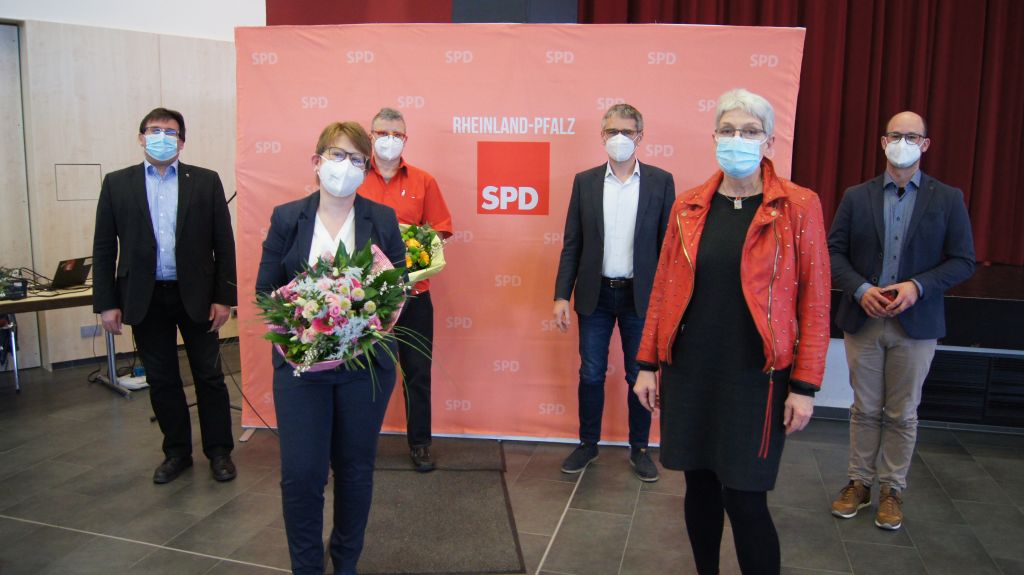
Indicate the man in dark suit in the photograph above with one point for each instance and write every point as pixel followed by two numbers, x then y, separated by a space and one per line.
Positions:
pixel 167 227
pixel 898 243
pixel 613 233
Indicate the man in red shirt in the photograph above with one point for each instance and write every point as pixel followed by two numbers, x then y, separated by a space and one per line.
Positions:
pixel 417 200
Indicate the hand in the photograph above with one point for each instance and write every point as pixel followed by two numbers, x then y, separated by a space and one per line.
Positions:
pixel 874 302
pixel 798 412
pixel 906 296
pixel 219 314
pixel 111 319
pixel 646 390
pixel 562 314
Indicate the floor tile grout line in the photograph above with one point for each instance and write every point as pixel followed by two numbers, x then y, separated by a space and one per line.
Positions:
pixel 565 510
pixel 145 543
pixel 632 518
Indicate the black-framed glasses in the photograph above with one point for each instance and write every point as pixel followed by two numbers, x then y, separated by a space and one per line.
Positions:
pixel 912 138
pixel 154 130
pixel 385 133
pixel 338 155
pixel 611 133
pixel 747 133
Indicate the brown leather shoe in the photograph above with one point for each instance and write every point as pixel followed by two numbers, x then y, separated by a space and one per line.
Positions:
pixel 890 509
pixel 171 468
pixel 854 497
pixel 222 468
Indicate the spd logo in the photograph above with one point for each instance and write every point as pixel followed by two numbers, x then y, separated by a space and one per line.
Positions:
pixel 512 178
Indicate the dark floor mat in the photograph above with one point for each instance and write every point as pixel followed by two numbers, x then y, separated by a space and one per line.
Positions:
pixel 444 522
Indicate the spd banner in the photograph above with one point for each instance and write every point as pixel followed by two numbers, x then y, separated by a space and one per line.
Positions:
pixel 503 116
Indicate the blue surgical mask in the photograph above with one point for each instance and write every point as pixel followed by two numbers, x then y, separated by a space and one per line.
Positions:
pixel 161 147
pixel 738 157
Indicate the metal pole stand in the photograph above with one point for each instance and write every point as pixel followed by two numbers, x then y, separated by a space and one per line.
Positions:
pixel 110 380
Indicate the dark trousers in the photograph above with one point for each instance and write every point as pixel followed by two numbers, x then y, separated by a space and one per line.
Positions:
pixel 156 341
pixel 418 316
pixel 753 531
pixel 614 305
pixel 328 418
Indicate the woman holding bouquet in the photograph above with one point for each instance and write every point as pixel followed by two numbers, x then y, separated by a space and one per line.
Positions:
pixel 329 417
pixel 738 327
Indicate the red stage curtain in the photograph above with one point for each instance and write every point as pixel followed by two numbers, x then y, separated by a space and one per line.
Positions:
pixel 292 12
pixel 956 62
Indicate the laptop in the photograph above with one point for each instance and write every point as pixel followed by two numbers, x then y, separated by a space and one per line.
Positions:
pixel 71 273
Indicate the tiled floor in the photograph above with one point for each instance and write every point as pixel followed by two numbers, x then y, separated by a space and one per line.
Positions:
pixel 76 498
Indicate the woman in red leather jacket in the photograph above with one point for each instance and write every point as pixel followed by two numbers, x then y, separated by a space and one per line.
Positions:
pixel 738 328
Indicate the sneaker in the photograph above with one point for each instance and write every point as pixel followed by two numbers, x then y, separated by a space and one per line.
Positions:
pixel 580 458
pixel 422 460
pixel 643 467
pixel 854 497
pixel 890 509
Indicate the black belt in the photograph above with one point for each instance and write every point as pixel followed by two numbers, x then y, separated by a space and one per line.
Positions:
pixel 166 284
pixel 617 283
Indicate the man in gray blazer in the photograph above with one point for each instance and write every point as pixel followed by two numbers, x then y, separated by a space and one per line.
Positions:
pixel 898 243
pixel 613 234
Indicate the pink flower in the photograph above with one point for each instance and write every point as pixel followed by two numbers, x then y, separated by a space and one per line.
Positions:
pixel 277 328
pixel 324 284
pixel 308 336
pixel 322 325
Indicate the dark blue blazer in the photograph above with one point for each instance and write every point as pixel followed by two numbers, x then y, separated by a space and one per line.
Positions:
pixel 286 248
pixel 938 252
pixel 579 267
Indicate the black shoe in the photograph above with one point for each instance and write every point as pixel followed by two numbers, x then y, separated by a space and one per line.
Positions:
pixel 171 468
pixel 223 468
pixel 580 458
pixel 643 467
pixel 422 460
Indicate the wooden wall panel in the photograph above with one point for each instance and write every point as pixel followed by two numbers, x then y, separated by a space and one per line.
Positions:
pixel 86 91
pixel 15 243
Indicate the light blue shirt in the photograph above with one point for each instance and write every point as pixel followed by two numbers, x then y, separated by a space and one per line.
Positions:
pixel 162 194
pixel 896 213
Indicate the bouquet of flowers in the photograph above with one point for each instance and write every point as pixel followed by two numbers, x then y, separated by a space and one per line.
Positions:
pixel 424 252
pixel 335 312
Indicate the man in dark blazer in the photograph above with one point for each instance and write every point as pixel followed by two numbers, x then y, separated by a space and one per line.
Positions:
pixel 898 243
pixel 167 227
pixel 613 234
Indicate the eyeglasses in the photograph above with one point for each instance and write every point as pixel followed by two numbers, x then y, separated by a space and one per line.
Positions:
pixel 912 138
pixel 745 133
pixel 154 130
pixel 338 155
pixel 384 134
pixel 609 133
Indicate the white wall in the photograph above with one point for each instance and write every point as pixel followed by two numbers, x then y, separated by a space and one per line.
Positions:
pixel 210 19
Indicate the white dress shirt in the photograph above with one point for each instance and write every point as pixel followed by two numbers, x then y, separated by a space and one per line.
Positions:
pixel 323 242
pixel 620 203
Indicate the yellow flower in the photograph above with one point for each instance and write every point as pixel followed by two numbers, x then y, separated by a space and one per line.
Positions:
pixel 424 258
pixel 412 243
pixel 408 261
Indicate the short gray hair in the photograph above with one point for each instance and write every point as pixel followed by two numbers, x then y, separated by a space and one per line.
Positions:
pixel 749 102
pixel 387 114
pixel 624 111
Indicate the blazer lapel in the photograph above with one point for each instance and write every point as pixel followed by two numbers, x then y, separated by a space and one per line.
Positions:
pixel 877 207
pixel 597 200
pixel 184 196
pixel 298 255
pixel 138 183
pixel 925 194
pixel 643 201
pixel 363 223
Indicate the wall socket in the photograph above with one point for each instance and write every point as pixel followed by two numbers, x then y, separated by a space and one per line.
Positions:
pixel 88 331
